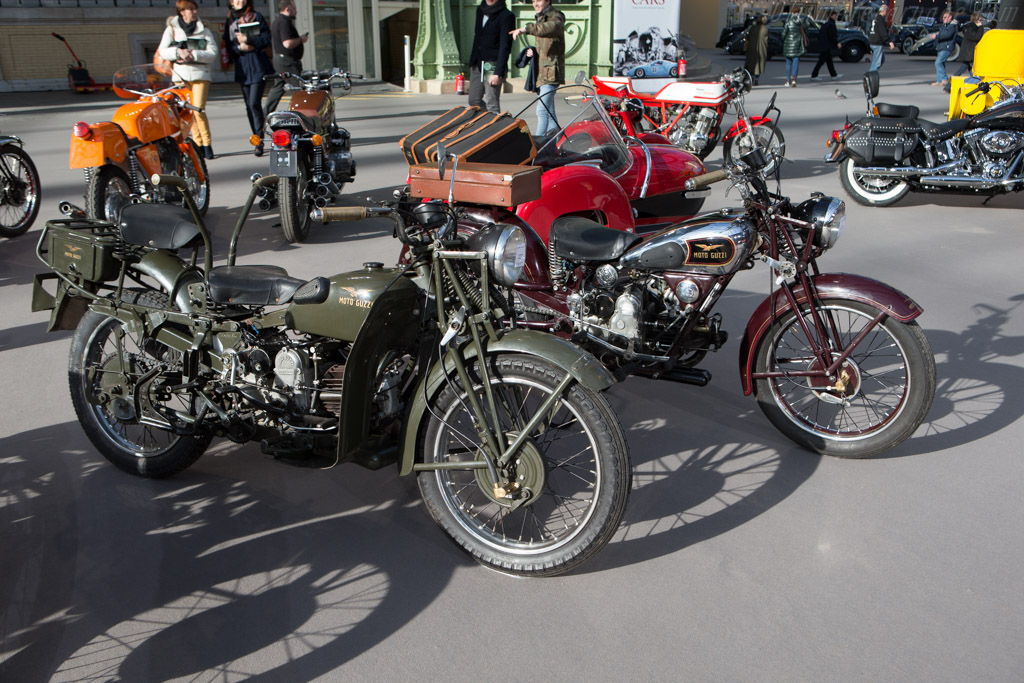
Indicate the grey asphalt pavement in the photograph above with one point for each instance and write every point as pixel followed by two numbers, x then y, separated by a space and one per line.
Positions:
pixel 742 557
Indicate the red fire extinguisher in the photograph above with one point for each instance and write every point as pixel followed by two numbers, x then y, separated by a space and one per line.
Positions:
pixel 460 84
pixel 681 66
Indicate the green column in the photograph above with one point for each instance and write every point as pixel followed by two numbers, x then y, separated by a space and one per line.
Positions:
pixel 437 53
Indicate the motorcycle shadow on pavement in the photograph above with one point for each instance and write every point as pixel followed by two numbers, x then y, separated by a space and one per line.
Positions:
pixel 237 566
pixel 976 395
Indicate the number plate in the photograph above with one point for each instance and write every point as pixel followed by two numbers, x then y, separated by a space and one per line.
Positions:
pixel 282 162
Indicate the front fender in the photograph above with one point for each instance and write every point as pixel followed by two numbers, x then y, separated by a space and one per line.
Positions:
pixel 581 190
pixel 740 126
pixel 559 352
pixel 829 286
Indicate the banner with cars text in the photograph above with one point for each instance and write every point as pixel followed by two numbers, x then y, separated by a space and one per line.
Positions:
pixel 645 39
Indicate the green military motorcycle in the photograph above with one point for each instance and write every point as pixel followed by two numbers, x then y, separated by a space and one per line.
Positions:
pixel 519 458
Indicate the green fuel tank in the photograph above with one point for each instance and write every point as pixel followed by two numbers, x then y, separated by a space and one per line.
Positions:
pixel 349 300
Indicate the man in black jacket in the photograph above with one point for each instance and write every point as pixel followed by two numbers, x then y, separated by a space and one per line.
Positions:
pixel 828 38
pixel 878 37
pixel 488 61
pixel 288 48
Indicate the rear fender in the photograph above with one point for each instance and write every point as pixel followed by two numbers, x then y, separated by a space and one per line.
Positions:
pixel 107 144
pixel 562 354
pixel 740 126
pixel 846 286
pixel 173 275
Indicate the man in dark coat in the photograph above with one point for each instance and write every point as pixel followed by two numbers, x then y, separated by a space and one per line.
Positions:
pixel 878 37
pixel 288 49
pixel 246 34
pixel 828 38
pixel 488 60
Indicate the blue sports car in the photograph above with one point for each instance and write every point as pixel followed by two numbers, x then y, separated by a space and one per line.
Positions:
pixel 659 68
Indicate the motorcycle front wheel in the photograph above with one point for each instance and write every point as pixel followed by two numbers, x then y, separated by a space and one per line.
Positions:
pixel 109 190
pixel 106 355
pixel 882 394
pixel 767 136
pixel 569 481
pixel 296 203
pixel 870 190
pixel 200 190
pixel 19 191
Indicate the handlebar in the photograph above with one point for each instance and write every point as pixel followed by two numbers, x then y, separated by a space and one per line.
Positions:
pixel 170 180
pixel 706 179
pixel 358 213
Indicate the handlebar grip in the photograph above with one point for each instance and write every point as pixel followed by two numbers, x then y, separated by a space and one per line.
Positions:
pixel 171 180
pixel 706 179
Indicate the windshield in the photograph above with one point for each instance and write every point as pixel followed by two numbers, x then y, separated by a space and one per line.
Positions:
pixel 585 135
pixel 144 79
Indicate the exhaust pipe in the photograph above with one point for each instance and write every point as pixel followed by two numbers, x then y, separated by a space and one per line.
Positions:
pixel 71 211
pixel 906 171
pixel 320 202
pixel 968 182
pixel 321 191
pixel 265 205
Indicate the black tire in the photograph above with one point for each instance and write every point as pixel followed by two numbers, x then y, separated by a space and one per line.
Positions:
pixel 853 52
pixel 907 46
pixel 109 190
pixel 889 390
pixel 200 190
pixel 579 466
pixel 295 203
pixel 871 190
pixel 639 73
pixel 19 191
pixel 673 72
pixel 133 447
pixel 767 135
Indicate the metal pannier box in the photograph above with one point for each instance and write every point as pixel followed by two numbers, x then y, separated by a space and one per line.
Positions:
pixel 83 248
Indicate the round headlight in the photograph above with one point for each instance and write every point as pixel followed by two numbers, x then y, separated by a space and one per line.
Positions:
pixel 831 224
pixel 505 246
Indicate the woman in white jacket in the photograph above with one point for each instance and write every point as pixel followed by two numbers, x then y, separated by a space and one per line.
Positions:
pixel 190 47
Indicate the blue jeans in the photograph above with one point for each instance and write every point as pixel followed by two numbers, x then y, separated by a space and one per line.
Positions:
pixel 792 67
pixel 546 121
pixel 877 57
pixel 940 65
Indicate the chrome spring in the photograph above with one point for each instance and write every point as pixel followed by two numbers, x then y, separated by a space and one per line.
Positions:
pixel 555 268
pixel 133 164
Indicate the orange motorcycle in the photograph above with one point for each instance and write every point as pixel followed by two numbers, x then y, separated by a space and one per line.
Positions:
pixel 145 137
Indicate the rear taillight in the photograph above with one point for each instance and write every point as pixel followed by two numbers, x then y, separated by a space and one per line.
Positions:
pixel 81 130
pixel 282 138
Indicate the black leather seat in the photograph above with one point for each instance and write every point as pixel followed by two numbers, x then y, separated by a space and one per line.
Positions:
pixel 937 132
pixel 897 110
pixel 252 285
pixel 160 226
pixel 581 239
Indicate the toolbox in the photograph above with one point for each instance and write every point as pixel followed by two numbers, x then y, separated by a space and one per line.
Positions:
pixel 83 249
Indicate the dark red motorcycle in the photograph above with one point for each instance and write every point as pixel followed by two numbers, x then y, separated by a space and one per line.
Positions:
pixel 835 361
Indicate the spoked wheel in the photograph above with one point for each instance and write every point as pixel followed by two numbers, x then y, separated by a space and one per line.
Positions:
pixel 19 191
pixel 200 189
pixel 109 364
pixel 871 190
pixel 296 202
pixel 881 393
pixel 109 190
pixel 768 137
pixel 562 495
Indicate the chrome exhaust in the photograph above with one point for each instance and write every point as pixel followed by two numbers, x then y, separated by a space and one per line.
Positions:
pixel 906 171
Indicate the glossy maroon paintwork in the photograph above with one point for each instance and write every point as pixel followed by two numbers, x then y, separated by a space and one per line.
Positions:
pixel 829 286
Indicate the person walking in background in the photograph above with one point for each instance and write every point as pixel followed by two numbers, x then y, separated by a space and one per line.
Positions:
pixel 878 38
pixel 488 60
pixel 246 36
pixel 190 47
pixel 794 44
pixel 972 34
pixel 288 49
pixel 945 41
pixel 757 47
pixel 828 38
pixel 549 29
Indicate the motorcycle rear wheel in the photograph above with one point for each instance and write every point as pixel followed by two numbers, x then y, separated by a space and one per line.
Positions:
pixel 870 190
pixel 888 390
pixel 574 469
pixel 744 143
pixel 19 191
pixel 295 203
pixel 109 190
pixel 103 347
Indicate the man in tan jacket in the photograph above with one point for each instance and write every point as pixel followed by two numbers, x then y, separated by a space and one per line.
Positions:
pixel 549 29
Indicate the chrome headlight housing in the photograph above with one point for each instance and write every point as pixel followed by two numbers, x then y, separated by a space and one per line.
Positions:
pixel 505 246
pixel 827 215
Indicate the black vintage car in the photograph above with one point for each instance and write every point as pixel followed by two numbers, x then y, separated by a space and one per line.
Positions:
pixel 853 43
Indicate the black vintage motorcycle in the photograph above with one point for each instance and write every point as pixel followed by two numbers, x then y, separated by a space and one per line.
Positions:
pixel 519 457
pixel 892 151
pixel 19 188
pixel 835 360
pixel 309 151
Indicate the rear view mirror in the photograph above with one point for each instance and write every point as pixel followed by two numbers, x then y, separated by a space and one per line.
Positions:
pixel 440 159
